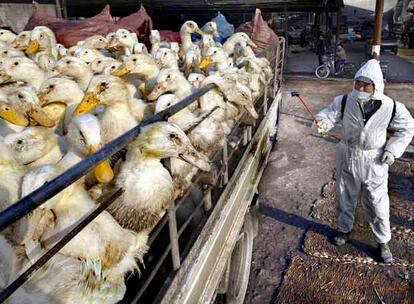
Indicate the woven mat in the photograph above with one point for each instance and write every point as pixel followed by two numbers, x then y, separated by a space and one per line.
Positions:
pixel 313 281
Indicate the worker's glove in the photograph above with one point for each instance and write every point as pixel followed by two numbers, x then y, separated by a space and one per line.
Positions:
pixel 387 158
pixel 322 128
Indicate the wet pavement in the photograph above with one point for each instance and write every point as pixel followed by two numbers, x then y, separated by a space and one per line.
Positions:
pixel 300 165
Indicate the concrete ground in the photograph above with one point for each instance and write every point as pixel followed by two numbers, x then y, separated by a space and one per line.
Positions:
pixel 304 62
pixel 301 163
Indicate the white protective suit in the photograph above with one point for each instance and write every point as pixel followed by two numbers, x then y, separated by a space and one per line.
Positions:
pixel 359 167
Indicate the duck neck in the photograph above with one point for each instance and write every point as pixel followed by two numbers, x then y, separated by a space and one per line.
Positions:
pixel 50 158
pixel 83 78
pixel 151 73
pixel 183 89
pixel 184 119
pixel 34 78
pixel 186 40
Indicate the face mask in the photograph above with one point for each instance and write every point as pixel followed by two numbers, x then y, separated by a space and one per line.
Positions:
pixel 361 96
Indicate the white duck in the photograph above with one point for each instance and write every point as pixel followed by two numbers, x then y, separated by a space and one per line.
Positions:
pixel 7 36
pixel 21 69
pixel 195 79
pixel 210 31
pixel 61 90
pixel 217 57
pixel 42 42
pixel 108 250
pixel 74 68
pixel 22 41
pixel 166 59
pixel 100 64
pixel 139 208
pixel 188 28
pixel 155 40
pixel 119 116
pixel 237 38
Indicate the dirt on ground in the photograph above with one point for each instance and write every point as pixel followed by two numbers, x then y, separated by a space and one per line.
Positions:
pixel 300 174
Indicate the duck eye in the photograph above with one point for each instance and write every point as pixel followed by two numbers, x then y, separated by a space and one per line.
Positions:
pixel 99 61
pixel 86 52
pixel 134 60
pixel 16 63
pixel 19 142
pixel 173 136
pixel 20 96
pixel 124 36
pixel 51 86
pixel 1 33
pixel 67 62
pixel 168 76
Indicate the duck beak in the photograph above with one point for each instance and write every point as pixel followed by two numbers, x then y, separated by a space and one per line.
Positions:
pixel 205 63
pixel 158 90
pixel 103 172
pixel 195 159
pixel 198 31
pixel 38 116
pixel 13 116
pixel 88 103
pixel 252 111
pixel 121 71
pixel 33 47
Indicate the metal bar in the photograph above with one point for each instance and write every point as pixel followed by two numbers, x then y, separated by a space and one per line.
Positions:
pixel 47 191
pixel 265 98
pixel 172 225
pixel 225 163
pixel 376 41
pixel 207 200
pixel 58 246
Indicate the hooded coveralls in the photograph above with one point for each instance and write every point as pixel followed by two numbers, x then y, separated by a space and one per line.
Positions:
pixel 360 171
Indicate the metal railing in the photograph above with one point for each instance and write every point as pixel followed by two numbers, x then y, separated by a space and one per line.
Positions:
pixel 41 195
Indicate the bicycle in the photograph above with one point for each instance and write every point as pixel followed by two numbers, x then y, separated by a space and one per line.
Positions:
pixel 328 67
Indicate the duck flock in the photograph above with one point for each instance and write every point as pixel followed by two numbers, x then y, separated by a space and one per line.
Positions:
pixel 59 105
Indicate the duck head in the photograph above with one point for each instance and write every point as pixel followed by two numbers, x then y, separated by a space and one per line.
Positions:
pixel 60 90
pixel 31 144
pixel 103 90
pixel 96 42
pixel 165 101
pixel 88 55
pixel 11 52
pixel 190 27
pixel 214 56
pixel 23 108
pixel 155 37
pixel 75 68
pixel 163 140
pixel 62 51
pixel 166 58
pixel 99 64
pixel 84 136
pixel 22 41
pixel 21 69
pixel 168 80
pixel 123 38
pixel 196 79
pixel 140 48
pixel 142 65
pixel 111 68
pixel 42 39
pixel 7 36
pixel 211 28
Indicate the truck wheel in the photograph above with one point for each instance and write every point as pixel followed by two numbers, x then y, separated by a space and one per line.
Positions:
pixel 240 264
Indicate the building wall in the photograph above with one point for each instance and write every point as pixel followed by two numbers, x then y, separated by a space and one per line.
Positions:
pixel 16 15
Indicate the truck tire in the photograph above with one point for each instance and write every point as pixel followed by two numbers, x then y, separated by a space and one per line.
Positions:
pixel 240 263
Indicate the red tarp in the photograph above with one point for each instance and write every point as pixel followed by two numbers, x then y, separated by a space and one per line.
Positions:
pixel 69 32
pixel 261 34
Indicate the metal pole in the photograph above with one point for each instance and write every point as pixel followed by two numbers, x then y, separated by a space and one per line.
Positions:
pixel 376 43
pixel 338 24
pixel 65 9
pixel 58 9
pixel 172 225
